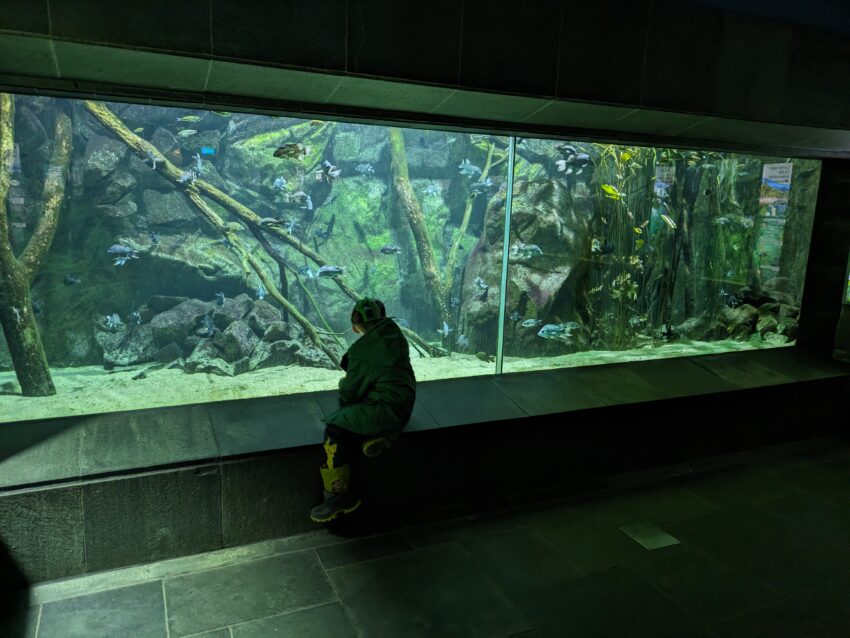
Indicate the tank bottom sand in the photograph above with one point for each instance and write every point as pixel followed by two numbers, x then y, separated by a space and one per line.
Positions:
pixel 93 390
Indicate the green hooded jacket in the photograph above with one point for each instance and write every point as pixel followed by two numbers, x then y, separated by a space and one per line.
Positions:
pixel 376 394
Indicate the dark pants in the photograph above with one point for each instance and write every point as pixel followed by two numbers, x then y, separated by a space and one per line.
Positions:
pixel 347 445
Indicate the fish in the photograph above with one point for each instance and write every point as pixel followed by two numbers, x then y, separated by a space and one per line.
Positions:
pixel 305 271
pixel 124 251
pixel 271 221
pixel 638 230
pixel 187 177
pixel 596 246
pixel 390 249
pixel 222 113
pixel 17 313
pixel 531 323
pixel 198 163
pixel 154 237
pixel 70 280
pixel 330 271
pixel 293 150
pixel 445 330
pixel 451 140
pixel 141 129
pixel 308 203
pixel 113 320
pixel 730 299
pixel 525 251
pixel 480 283
pixel 189 118
pixel 552 331
pixel 515 316
pixel 365 169
pixel 747 222
pixel 219 298
pixel 231 127
pixel 316 122
pixel 454 302
pixel 209 325
pixel 479 188
pixel 154 159
pixel 561 165
pixel 120 261
pixel 207 150
pixel 279 183
pixel 721 221
pixel 330 171
pixel 261 291
pixel 469 169
pixel 289 225
pixel 136 318
pixel 566 149
pixel 463 341
pixel 187 132
pixel 432 189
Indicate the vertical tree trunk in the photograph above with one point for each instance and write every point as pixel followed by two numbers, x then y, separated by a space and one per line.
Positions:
pixel 16 315
pixel 413 210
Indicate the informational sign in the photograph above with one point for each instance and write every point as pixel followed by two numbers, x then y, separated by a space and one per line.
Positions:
pixel 773 205
pixel 775 188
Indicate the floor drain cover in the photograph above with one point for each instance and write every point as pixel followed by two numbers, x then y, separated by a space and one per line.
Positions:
pixel 649 535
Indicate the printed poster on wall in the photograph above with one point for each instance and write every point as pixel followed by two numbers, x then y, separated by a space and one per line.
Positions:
pixel 773 205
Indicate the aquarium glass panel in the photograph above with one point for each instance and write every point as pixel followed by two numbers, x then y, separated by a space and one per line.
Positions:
pixel 622 253
pixel 164 256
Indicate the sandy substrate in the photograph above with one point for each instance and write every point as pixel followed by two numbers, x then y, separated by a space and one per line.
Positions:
pixel 93 390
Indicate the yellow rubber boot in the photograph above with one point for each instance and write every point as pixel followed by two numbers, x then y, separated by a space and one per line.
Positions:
pixel 337 498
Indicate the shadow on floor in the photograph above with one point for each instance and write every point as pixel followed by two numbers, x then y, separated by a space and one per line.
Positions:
pixel 14 597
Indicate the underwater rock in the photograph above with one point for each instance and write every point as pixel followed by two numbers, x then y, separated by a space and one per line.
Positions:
pixel 776 339
pixel 311 356
pixel 117 186
pixel 165 141
pixel 132 346
pixel 278 353
pixel 126 207
pixel 786 311
pixel 167 209
pixel 146 176
pixel 161 303
pixel 788 327
pixel 282 331
pixel 359 145
pixel 10 387
pixel 209 137
pixel 740 321
pixel 102 156
pixel 169 353
pixel 178 322
pixel 262 316
pixel 206 358
pixel 232 310
pixel 235 342
pixel 701 328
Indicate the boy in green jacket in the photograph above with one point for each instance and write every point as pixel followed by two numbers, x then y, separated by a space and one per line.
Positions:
pixel 375 403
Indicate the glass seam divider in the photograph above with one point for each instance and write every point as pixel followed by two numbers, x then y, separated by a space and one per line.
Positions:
pixel 503 286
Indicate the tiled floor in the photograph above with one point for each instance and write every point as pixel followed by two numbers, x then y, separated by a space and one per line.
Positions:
pixel 763 550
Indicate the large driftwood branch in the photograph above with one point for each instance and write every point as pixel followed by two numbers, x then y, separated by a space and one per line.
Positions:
pixel 193 194
pixel 144 148
pixel 54 193
pixel 413 210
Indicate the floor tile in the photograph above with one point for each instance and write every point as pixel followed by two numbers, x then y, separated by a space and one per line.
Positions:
pixel 778 620
pixel 362 549
pixel 613 603
pixel 465 527
pixel 136 611
pixel 700 584
pixel 589 536
pixel 435 591
pixel 829 522
pixel 519 559
pixel 253 590
pixel 324 621
pixel 737 487
pixel 830 480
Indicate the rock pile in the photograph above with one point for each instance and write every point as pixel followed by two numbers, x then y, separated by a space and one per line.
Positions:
pixel 230 338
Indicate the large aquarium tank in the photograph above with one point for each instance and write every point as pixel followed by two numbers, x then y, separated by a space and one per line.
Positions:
pixel 154 256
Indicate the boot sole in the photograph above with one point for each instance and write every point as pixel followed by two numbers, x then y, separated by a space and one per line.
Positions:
pixel 375 447
pixel 346 510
